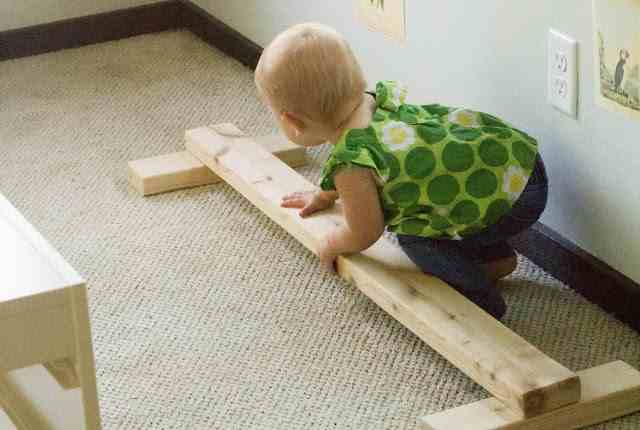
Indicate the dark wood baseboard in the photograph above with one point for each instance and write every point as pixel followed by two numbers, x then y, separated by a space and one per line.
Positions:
pixel 218 34
pixel 123 23
pixel 586 274
pixel 104 27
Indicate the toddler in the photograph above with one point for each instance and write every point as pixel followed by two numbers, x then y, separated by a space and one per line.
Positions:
pixel 452 183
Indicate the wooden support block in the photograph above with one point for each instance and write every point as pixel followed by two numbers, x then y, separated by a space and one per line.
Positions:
pixel 180 170
pixel 168 172
pixel 510 368
pixel 608 391
pixel 64 372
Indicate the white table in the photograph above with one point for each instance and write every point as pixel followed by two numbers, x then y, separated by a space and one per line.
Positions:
pixel 47 370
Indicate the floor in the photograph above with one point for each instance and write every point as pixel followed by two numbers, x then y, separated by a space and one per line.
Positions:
pixel 205 314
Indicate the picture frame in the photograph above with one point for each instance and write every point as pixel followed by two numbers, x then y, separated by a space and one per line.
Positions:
pixel 616 29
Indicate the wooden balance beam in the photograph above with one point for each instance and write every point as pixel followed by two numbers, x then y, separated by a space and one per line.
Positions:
pixel 511 369
pixel 179 170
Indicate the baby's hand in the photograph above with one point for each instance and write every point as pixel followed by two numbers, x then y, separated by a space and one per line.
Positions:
pixel 309 202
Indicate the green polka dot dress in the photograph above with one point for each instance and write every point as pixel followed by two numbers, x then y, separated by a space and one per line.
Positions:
pixel 444 172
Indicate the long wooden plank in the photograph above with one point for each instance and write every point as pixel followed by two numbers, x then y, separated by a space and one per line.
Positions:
pixel 179 170
pixel 608 391
pixel 510 368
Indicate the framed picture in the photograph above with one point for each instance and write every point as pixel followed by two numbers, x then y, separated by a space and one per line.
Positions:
pixel 617 55
pixel 385 16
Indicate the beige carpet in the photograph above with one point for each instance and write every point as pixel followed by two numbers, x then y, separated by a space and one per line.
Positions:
pixel 205 314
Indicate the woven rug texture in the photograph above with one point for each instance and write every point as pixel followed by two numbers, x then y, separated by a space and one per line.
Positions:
pixel 206 315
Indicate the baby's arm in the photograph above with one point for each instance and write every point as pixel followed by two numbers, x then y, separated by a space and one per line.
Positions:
pixel 361 205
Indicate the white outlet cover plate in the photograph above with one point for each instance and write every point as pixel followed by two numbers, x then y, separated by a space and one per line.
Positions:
pixel 563 73
pixel 385 16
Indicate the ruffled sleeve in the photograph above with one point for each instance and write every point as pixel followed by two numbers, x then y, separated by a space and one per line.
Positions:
pixel 357 148
pixel 390 95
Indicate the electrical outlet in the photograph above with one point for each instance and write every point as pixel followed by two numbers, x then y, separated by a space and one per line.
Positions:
pixel 385 16
pixel 561 88
pixel 563 73
pixel 561 64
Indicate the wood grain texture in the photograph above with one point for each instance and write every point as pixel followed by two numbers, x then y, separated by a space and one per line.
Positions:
pixel 179 170
pixel 510 368
pixel 608 391
pixel 169 172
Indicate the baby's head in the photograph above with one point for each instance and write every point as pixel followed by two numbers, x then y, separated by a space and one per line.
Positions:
pixel 311 80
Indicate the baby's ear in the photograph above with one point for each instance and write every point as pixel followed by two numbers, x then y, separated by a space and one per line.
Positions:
pixel 293 121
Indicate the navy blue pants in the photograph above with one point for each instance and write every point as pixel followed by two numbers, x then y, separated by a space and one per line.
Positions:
pixel 458 263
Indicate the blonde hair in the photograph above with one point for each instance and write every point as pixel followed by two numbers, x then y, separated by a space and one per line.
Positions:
pixel 310 70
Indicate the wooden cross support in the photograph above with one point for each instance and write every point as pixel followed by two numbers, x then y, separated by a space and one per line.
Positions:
pixel 530 389
pixel 179 170
pixel 608 391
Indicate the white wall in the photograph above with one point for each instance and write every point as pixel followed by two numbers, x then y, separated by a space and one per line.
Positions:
pixel 24 13
pixel 491 55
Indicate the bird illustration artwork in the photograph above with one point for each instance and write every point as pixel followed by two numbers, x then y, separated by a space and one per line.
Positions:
pixel 619 76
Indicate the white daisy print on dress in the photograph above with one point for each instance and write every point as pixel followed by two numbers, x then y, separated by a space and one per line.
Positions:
pixel 515 179
pixel 398 135
pixel 465 118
